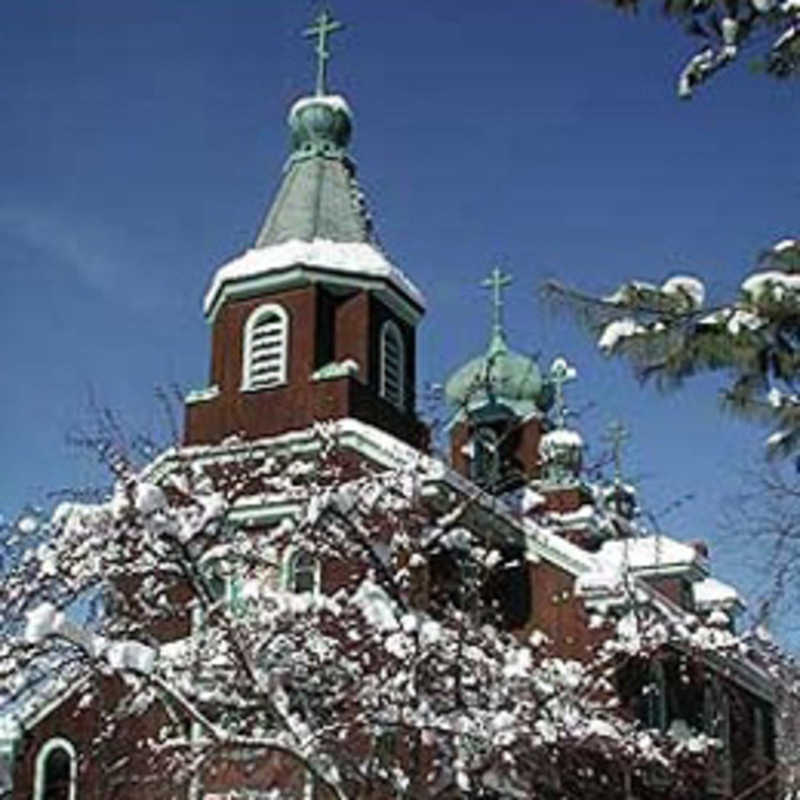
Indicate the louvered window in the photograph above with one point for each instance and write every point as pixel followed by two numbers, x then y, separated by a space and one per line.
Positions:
pixel 392 365
pixel 265 347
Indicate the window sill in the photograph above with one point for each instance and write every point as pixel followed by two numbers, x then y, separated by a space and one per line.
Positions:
pixel 271 386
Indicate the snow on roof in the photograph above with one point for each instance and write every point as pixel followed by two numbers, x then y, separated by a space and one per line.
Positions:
pixel 563 437
pixel 597 573
pixel 334 101
pixel 649 553
pixel 41 693
pixel 604 580
pixel 352 258
pixel 712 592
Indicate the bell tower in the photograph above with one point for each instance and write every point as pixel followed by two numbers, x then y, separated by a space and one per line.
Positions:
pixel 313 322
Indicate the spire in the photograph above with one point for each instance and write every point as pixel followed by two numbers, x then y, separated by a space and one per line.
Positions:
pixel 318 221
pixel 319 197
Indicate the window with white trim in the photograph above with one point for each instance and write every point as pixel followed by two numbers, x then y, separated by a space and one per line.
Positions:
pixel 56 775
pixel 265 354
pixel 301 572
pixel 392 372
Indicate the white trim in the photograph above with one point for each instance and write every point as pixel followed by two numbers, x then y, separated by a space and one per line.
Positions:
pixel 298 276
pixel 41 759
pixel 390 330
pixel 349 262
pixel 256 317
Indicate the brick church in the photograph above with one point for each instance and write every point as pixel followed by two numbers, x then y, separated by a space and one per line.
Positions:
pixel 313 323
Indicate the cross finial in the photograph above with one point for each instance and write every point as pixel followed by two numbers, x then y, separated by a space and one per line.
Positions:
pixel 617 435
pixel 324 25
pixel 561 372
pixel 497 281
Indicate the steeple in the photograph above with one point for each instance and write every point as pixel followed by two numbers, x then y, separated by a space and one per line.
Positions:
pixel 319 197
pixel 498 400
pixel 501 381
pixel 319 218
pixel 313 321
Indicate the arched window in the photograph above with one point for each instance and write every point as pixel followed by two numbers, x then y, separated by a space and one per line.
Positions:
pixel 56 771
pixel 392 373
pixel 301 572
pixel 265 354
pixel 485 464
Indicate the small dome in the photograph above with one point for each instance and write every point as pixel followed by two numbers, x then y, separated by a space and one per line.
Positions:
pixel 320 125
pixel 562 454
pixel 501 378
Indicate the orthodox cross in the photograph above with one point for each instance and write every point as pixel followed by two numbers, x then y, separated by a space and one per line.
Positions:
pixel 324 25
pixel 561 372
pixel 497 281
pixel 617 436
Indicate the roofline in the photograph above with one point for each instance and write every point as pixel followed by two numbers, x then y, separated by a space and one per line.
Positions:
pixel 387 451
pixel 34 716
pixel 300 274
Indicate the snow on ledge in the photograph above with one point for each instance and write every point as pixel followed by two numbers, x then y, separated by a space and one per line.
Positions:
pixel 711 592
pixel 355 258
pixel 651 553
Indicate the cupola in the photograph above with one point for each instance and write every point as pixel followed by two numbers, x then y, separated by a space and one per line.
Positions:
pixel 497 401
pixel 567 499
pixel 561 449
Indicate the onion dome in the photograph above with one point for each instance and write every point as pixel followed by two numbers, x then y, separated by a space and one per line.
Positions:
pixel 501 383
pixel 561 451
pixel 320 125
pixel 497 382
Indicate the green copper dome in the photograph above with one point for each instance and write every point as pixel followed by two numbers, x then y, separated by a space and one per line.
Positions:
pixel 499 382
pixel 320 126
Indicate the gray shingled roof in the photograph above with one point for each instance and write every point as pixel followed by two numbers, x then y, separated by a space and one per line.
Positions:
pixel 319 198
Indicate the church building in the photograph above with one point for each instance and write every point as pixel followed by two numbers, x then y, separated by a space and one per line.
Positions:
pixel 313 324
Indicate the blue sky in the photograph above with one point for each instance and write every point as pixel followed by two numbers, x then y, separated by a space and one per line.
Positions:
pixel 141 143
